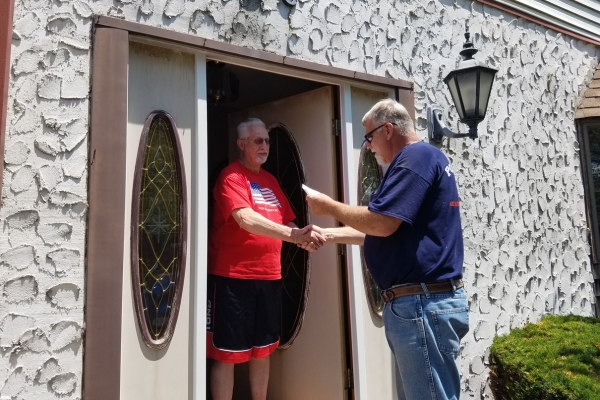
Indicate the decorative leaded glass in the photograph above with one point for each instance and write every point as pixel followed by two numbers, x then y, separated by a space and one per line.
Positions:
pixel 369 178
pixel 158 230
pixel 285 164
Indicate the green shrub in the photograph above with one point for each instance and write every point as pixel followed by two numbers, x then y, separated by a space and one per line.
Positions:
pixel 557 358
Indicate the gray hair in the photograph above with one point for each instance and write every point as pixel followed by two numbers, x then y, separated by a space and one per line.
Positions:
pixel 244 127
pixel 389 110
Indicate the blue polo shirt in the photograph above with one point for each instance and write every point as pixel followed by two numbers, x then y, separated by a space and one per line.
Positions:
pixel 418 188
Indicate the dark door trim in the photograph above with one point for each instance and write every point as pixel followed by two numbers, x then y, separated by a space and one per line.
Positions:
pixel 6 23
pixel 106 229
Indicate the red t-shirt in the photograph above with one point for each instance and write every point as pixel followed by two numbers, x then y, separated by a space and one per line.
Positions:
pixel 234 252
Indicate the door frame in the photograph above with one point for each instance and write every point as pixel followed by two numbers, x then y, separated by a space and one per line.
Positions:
pixel 108 125
pixel 6 24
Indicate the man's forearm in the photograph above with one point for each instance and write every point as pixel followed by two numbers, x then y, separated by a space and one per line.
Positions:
pixel 363 220
pixel 343 235
pixel 255 223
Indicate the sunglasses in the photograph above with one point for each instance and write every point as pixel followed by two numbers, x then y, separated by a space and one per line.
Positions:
pixel 369 135
pixel 259 141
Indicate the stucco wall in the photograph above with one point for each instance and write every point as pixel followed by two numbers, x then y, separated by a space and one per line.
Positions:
pixel 522 196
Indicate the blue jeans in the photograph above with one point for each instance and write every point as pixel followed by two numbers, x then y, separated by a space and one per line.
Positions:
pixel 424 333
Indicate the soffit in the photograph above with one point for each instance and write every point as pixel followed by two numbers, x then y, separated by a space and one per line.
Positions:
pixel 577 18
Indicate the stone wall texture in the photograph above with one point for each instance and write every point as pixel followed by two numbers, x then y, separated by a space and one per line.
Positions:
pixel 525 229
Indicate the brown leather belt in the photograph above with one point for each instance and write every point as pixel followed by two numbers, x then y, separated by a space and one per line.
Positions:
pixel 409 290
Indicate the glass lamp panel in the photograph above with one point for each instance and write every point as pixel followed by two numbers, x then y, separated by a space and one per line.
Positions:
pixel 455 95
pixel 467 83
pixel 485 87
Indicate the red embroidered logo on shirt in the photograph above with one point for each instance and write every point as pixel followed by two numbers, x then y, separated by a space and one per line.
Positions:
pixel 455 204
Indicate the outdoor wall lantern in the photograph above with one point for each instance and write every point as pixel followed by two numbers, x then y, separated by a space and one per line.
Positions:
pixel 470 86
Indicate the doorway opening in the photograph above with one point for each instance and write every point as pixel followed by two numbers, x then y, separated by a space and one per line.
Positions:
pixel 314 363
pixel 233 88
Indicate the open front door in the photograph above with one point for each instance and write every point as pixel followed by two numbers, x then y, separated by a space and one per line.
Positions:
pixel 374 366
pixel 314 366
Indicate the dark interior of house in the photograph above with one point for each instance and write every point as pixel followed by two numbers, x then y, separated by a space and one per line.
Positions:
pixel 232 88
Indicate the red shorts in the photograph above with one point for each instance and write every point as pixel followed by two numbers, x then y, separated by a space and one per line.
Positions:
pixel 243 318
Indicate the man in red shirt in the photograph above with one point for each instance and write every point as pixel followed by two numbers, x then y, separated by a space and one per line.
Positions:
pixel 251 217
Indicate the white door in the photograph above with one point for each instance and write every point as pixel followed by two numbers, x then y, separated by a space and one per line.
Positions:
pixel 314 366
pixel 374 367
pixel 159 79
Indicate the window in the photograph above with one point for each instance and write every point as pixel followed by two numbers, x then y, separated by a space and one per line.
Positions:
pixel 591 167
pixel 589 134
pixel 158 230
pixel 285 164
pixel 369 178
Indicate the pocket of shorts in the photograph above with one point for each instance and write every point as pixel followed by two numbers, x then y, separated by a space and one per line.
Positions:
pixel 450 327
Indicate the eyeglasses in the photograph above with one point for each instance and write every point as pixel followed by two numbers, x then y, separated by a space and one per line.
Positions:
pixel 259 141
pixel 369 135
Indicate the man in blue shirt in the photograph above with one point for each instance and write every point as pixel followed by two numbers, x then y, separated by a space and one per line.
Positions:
pixel 413 247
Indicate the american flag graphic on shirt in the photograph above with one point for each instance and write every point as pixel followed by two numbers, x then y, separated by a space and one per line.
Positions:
pixel 263 195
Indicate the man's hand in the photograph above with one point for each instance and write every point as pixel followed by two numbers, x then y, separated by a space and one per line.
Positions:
pixel 310 238
pixel 340 234
pixel 319 203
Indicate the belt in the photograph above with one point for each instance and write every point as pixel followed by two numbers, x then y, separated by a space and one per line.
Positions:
pixel 408 290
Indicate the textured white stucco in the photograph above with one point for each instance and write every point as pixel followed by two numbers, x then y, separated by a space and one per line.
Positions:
pixel 525 229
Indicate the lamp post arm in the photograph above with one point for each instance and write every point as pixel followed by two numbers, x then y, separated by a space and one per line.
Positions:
pixel 436 127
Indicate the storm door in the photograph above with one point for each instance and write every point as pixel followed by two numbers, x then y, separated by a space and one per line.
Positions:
pixel 375 376
pixel 314 364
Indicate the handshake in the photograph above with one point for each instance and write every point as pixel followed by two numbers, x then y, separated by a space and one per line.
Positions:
pixel 309 238
pixel 312 237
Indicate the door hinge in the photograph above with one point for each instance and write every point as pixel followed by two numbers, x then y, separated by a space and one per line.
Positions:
pixel 342 249
pixel 337 127
pixel 349 379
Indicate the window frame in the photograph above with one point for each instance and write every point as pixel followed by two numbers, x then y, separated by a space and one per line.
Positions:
pixel 583 126
pixel 593 218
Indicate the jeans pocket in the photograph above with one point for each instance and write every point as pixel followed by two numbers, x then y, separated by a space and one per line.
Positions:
pixel 451 325
pixel 404 310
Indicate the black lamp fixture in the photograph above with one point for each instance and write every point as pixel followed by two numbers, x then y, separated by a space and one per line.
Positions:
pixel 223 87
pixel 470 86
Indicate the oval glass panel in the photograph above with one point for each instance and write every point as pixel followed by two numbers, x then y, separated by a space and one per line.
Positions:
pixel 285 164
pixel 369 178
pixel 159 229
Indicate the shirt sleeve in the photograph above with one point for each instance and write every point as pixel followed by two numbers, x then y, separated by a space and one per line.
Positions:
pixel 233 193
pixel 400 195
